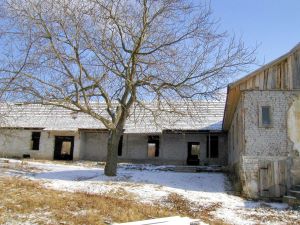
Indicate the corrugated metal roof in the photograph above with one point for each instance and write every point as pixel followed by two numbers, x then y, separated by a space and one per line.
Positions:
pixel 201 115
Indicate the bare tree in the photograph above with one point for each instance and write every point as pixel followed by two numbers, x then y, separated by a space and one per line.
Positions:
pixel 70 53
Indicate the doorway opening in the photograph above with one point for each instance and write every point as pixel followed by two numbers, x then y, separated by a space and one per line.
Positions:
pixel 193 153
pixel 64 146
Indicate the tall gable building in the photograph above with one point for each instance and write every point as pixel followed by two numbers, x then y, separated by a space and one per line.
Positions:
pixel 262 117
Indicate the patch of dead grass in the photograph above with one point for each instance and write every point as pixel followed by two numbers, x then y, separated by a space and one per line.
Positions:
pixel 23 199
pixel 269 215
pixel 121 193
pixel 178 203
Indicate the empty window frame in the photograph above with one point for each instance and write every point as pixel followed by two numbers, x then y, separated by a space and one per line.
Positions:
pixel 212 147
pixel 35 140
pixel 120 146
pixel 266 116
pixel 153 146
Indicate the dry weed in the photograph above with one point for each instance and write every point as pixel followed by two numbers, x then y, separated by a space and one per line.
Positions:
pixel 183 206
pixel 23 200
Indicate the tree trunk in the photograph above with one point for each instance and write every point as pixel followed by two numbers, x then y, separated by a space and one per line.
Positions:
pixel 112 153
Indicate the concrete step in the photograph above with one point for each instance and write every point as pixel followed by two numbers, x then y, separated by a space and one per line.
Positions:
pixel 291 201
pixel 296 188
pixel 294 193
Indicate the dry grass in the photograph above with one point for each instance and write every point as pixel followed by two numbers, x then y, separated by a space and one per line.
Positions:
pixel 25 200
pixel 273 217
pixel 181 205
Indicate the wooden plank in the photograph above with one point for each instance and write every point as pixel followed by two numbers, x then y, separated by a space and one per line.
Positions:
pixel 272 76
pixel 289 73
pixel 282 76
pixel 266 79
pixel 249 84
pixel 296 70
pixel 282 177
pixel 263 179
pixel 256 82
pixel 285 75
pixel 276 181
pixel 243 86
pixel 261 81
pixel 278 77
pixel 269 79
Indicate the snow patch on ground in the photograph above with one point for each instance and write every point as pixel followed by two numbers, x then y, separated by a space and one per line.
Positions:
pixel 150 184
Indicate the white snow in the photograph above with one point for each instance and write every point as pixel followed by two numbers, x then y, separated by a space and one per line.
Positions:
pixel 150 184
pixel 176 220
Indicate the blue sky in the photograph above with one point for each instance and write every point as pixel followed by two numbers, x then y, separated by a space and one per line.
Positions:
pixel 273 24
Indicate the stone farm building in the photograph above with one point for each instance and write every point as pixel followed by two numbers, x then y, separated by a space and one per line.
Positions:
pixel 256 132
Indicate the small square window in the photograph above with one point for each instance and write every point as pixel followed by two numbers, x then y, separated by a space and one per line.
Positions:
pixel 266 116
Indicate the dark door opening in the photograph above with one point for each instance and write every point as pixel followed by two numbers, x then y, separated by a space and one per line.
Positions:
pixel 193 153
pixel 64 146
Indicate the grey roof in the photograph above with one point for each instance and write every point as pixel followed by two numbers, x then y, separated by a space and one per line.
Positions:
pixel 200 115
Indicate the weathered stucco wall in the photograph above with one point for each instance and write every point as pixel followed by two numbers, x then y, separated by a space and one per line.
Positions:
pixel 94 145
pixel 173 148
pixel 17 142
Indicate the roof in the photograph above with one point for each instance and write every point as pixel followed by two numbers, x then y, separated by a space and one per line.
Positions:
pixel 276 75
pixel 201 115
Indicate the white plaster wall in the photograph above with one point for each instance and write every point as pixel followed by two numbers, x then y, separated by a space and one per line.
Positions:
pixel 16 143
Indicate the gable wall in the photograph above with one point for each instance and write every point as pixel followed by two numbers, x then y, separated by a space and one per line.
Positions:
pixel 282 75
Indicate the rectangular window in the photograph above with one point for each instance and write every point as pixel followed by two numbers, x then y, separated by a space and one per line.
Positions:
pixel 153 146
pixel 35 140
pixel 120 146
pixel 212 147
pixel 265 116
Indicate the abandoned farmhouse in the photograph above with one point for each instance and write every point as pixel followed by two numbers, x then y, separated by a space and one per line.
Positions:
pixel 255 132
